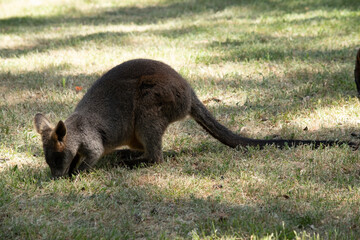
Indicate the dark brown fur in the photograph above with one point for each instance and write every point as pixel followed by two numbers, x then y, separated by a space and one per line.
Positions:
pixel 132 105
pixel 357 72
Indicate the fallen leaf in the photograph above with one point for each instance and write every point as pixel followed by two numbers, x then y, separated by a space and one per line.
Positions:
pixel 78 89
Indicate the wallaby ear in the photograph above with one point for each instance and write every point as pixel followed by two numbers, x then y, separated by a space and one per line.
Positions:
pixel 60 131
pixel 42 124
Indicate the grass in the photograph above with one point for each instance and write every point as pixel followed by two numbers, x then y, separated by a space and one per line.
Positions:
pixel 264 68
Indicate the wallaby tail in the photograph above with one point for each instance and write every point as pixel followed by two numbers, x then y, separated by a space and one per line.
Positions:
pixel 357 71
pixel 203 117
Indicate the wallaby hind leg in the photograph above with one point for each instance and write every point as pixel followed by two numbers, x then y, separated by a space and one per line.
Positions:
pixel 150 135
pixel 153 148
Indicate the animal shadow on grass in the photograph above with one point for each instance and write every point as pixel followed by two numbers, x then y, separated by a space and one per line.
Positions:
pixel 129 159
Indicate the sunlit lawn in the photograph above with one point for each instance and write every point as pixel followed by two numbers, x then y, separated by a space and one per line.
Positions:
pixel 264 68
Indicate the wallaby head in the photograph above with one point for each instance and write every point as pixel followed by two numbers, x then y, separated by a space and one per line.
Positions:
pixel 59 154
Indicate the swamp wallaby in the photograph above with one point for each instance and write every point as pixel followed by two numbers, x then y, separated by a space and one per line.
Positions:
pixel 132 104
pixel 357 72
